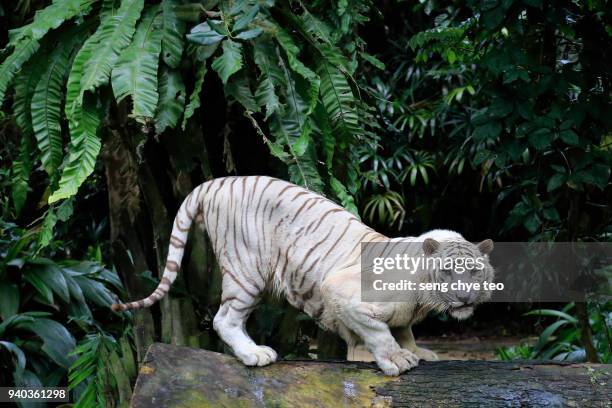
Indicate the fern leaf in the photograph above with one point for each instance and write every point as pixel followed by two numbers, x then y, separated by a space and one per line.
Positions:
pixel 14 62
pixel 73 86
pixel 113 35
pixel 230 61
pixel 46 106
pixel 171 100
pixel 83 151
pixel 173 34
pixel 135 74
pixel 49 18
pixel 292 51
pixel 238 88
pixel 21 174
pixel 293 129
pixel 339 101
pixel 25 86
pixel 343 195
pixel 271 74
pixel 194 99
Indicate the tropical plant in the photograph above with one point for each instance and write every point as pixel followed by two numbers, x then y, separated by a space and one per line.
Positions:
pixel 560 340
pixel 289 66
pixel 47 308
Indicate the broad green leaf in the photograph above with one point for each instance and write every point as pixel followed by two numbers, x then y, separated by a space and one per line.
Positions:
pixel 171 100
pixel 94 291
pixel 293 129
pixel 230 61
pixel 346 199
pixel 339 102
pixel 249 34
pixel 113 35
pixel 135 74
pixel 40 286
pixel 46 106
pixel 267 61
pixel 51 275
pixel 266 96
pixel 292 51
pixel 21 173
pixel 203 34
pixel 73 86
pixel 246 17
pixel 25 86
pixel 45 235
pixel 569 136
pixel 49 18
pixel 373 60
pixel 9 299
pixel 24 50
pixel 553 313
pixel 194 99
pixel 83 151
pixel 556 181
pixel 546 334
pixel 18 353
pixel 173 33
pixel 58 343
pixel 238 88
pixel 541 138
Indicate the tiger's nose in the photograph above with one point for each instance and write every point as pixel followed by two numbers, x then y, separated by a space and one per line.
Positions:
pixel 463 297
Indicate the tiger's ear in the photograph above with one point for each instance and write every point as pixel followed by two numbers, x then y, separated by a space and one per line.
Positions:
pixel 486 246
pixel 430 246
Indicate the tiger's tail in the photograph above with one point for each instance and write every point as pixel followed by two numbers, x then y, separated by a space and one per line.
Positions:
pixel 190 209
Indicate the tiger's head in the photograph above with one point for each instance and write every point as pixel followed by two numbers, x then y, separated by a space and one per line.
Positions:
pixel 453 260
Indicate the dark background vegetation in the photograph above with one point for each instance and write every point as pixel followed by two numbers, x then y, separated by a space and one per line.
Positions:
pixel 488 117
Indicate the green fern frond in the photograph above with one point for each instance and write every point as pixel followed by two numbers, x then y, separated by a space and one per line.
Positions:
pixel 83 151
pixel 194 98
pixel 113 35
pixel 293 129
pixel 25 86
pixel 339 101
pixel 271 75
pixel 46 104
pixel 292 51
pixel 135 74
pixel 173 34
pixel 73 86
pixel 239 89
pixel 21 173
pixel 230 61
pixel 49 18
pixel 171 100
pixel 14 62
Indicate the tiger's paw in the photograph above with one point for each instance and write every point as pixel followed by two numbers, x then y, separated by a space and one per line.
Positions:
pixel 256 355
pixel 397 362
pixel 425 354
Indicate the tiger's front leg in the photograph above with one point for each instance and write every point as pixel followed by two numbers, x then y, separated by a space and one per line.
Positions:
pixel 363 319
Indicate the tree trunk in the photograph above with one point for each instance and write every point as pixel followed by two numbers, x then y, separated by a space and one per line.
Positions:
pixel 147 180
pixel 185 377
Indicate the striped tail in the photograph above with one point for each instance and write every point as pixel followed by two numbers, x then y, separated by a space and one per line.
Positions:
pixel 184 218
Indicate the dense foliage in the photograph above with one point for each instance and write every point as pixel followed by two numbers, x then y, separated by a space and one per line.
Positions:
pixel 53 313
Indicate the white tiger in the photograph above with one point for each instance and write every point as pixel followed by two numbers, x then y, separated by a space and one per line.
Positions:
pixel 270 234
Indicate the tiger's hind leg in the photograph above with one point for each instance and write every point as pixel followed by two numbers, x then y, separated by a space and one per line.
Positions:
pixel 230 323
